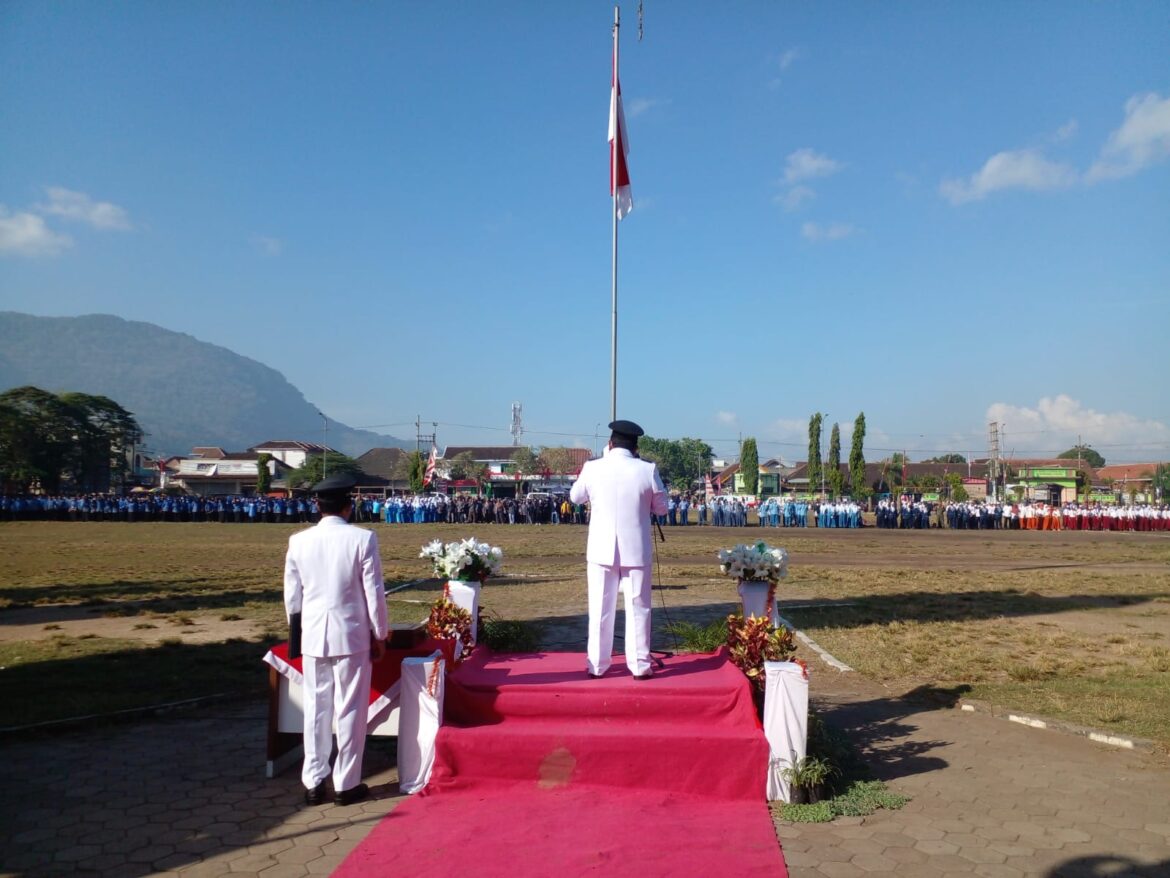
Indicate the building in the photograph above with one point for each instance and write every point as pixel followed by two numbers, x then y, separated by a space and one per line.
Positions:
pixel 290 452
pixel 210 471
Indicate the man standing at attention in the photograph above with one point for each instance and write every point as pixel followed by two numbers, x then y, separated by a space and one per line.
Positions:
pixel 333 578
pixel 622 491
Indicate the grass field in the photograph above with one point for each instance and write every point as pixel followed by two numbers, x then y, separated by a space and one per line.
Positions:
pixel 1076 626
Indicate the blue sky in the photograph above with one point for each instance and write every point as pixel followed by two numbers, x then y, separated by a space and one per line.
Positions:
pixel 940 214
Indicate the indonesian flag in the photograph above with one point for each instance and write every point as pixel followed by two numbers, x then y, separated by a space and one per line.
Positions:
pixel 710 488
pixel 619 147
pixel 430 474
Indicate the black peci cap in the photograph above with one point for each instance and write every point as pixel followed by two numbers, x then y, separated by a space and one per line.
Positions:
pixel 626 429
pixel 342 483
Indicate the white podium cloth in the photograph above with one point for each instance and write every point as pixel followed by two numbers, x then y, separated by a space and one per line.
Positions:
pixel 754 596
pixel 785 723
pixel 421 714
pixel 466 595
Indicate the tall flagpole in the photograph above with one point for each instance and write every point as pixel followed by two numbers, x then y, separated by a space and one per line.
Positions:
pixel 613 172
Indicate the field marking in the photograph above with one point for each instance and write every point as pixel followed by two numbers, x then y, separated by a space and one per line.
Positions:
pixel 816 647
pixel 410 584
pixel 1111 740
pixel 1028 721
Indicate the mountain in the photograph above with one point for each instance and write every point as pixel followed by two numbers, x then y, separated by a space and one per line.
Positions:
pixel 184 392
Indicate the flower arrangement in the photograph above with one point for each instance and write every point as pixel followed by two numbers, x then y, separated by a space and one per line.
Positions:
pixel 464 560
pixel 755 562
pixel 753 641
pixel 449 621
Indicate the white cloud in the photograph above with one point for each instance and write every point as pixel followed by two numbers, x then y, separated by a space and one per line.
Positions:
pixel 79 207
pixel 1056 423
pixel 829 232
pixel 1019 169
pixel 639 106
pixel 1142 139
pixel 788 56
pixel 793 198
pixel 268 245
pixel 806 164
pixel 726 418
pixel 25 234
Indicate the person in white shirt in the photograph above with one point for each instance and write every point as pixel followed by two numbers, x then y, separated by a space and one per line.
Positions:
pixel 622 491
pixel 333 581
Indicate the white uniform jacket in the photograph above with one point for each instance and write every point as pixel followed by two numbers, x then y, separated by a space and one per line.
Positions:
pixel 333 577
pixel 622 491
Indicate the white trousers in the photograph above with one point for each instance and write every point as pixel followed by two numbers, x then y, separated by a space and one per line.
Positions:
pixel 635 582
pixel 335 689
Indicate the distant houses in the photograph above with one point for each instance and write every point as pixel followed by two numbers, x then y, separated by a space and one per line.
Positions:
pixel 496 470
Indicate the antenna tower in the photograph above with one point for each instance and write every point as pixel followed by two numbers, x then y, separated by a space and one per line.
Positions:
pixel 517 423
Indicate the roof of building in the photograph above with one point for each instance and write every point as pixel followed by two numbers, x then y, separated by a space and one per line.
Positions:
pixel 208 451
pixel 1133 471
pixel 483 452
pixel 289 445
pixel 380 463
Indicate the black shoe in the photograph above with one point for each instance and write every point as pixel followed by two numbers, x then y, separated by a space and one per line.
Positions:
pixel 593 676
pixel 645 676
pixel 317 795
pixel 352 795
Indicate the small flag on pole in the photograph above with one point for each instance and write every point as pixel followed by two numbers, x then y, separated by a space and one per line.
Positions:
pixel 619 147
pixel 430 474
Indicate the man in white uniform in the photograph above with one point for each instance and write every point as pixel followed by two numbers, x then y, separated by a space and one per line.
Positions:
pixel 622 491
pixel 333 578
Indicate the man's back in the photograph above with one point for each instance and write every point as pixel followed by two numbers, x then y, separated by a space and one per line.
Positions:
pixel 622 491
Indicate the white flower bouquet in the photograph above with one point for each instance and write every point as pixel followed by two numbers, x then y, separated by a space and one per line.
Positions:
pixel 758 561
pixel 464 560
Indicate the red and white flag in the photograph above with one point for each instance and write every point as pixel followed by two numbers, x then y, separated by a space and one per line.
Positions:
pixel 430 473
pixel 710 488
pixel 619 147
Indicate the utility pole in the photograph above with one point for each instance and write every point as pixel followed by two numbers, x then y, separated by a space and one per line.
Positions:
pixel 324 445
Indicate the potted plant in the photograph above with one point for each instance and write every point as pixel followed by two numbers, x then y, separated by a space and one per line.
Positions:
pixel 754 640
pixel 757 567
pixel 464 564
pixel 449 621
pixel 807 779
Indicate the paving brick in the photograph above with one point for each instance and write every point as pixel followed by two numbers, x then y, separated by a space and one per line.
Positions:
pixel 873 862
pixel 839 870
pixel 982 855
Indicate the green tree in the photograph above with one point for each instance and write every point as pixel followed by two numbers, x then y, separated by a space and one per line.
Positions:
pixel 48 439
pixel 946 458
pixel 955 488
pixel 814 451
pixel 418 471
pixel 527 461
pixel 857 459
pixel 1161 483
pixel 1084 453
pixel 680 461
pixel 749 465
pixel 316 465
pixel 263 475
pixel 559 461
pixel 836 479
pixel 464 466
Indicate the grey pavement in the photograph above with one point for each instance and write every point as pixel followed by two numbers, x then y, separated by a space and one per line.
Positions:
pixel 185 795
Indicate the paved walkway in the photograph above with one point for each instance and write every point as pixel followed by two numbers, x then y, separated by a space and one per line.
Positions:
pixel 185 795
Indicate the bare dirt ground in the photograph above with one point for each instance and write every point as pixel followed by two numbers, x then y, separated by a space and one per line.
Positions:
pixel 545 576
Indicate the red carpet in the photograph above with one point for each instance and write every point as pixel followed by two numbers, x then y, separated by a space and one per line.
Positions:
pixel 541 771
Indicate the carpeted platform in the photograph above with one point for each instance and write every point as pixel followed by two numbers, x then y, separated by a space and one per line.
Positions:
pixel 541 771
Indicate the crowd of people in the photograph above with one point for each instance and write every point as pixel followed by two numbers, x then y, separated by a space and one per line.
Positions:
pixel 905 513
pixel 1052 516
